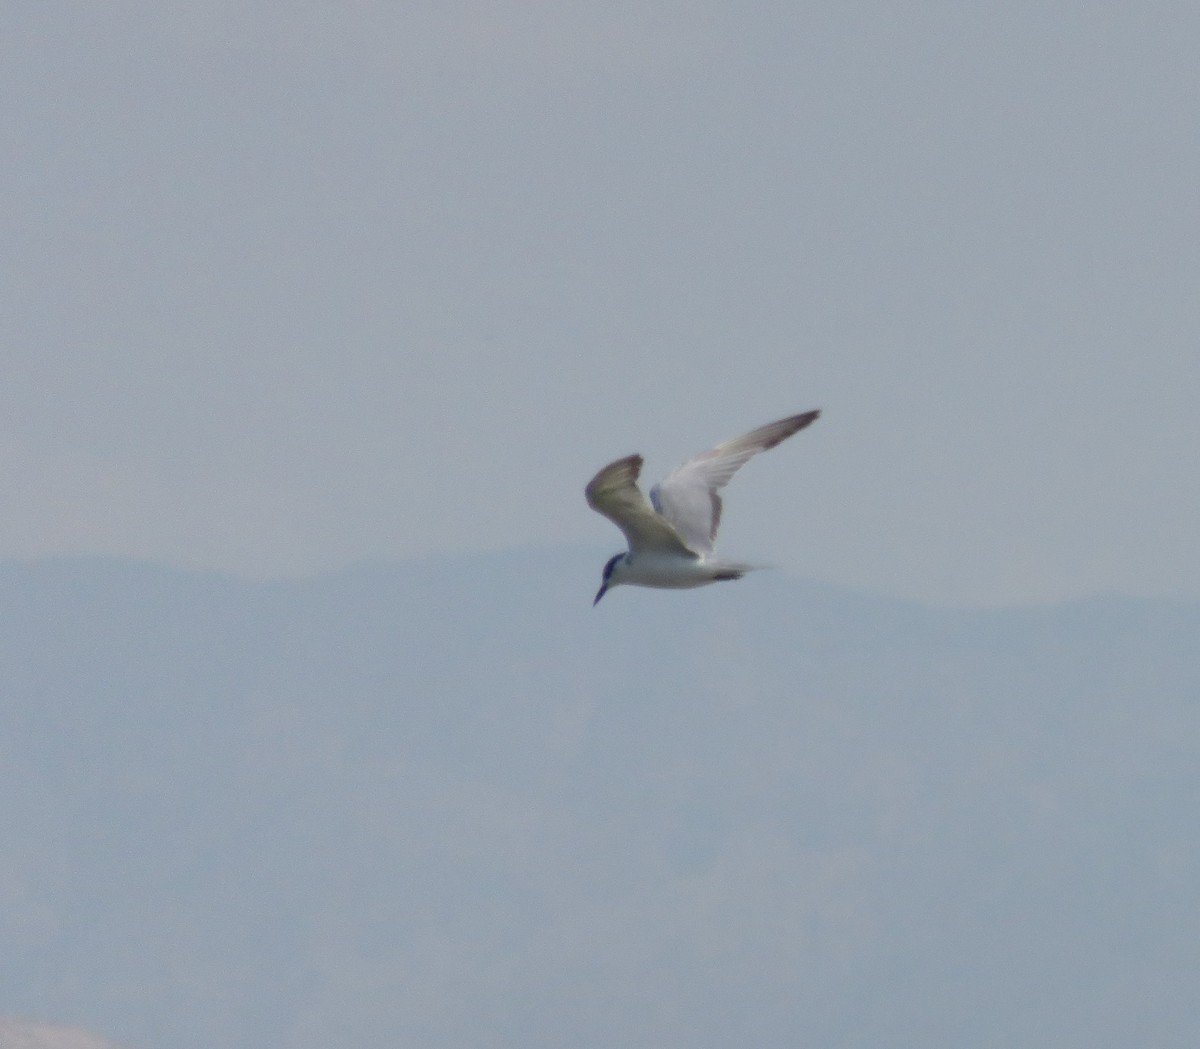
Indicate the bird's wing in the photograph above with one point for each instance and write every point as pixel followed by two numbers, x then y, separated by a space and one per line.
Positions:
pixel 689 498
pixel 614 493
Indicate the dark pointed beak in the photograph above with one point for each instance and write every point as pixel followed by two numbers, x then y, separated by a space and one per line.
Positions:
pixel 603 590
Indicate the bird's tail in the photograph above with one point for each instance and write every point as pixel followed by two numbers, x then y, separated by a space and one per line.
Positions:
pixel 733 570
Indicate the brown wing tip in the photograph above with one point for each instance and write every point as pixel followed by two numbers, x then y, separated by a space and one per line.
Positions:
pixel 792 424
pixel 631 466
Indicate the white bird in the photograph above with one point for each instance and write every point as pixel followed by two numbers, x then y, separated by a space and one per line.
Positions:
pixel 671 542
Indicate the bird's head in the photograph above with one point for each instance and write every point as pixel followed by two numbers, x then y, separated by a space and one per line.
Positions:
pixel 611 576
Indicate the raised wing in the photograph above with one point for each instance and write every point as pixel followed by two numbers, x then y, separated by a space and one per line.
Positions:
pixel 614 493
pixel 689 498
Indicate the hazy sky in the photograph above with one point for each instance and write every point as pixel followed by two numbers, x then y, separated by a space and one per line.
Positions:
pixel 291 285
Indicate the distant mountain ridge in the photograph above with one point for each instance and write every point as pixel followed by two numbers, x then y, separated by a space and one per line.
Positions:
pixel 33 1034
pixel 452 804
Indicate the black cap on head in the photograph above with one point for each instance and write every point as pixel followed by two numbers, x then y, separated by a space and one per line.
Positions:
pixel 605 576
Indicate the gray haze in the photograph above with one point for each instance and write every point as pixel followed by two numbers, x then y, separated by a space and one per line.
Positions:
pixel 291 288
pixel 450 805
pixel 293 285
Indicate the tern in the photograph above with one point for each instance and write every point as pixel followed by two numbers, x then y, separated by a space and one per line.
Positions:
pixel 671 537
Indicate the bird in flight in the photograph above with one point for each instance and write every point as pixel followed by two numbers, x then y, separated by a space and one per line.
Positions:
pixel 671 537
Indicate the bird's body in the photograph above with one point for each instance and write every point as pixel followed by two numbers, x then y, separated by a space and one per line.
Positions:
pixel 671 537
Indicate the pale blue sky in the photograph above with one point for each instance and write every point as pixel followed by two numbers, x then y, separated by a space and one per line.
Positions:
pixel 291 285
